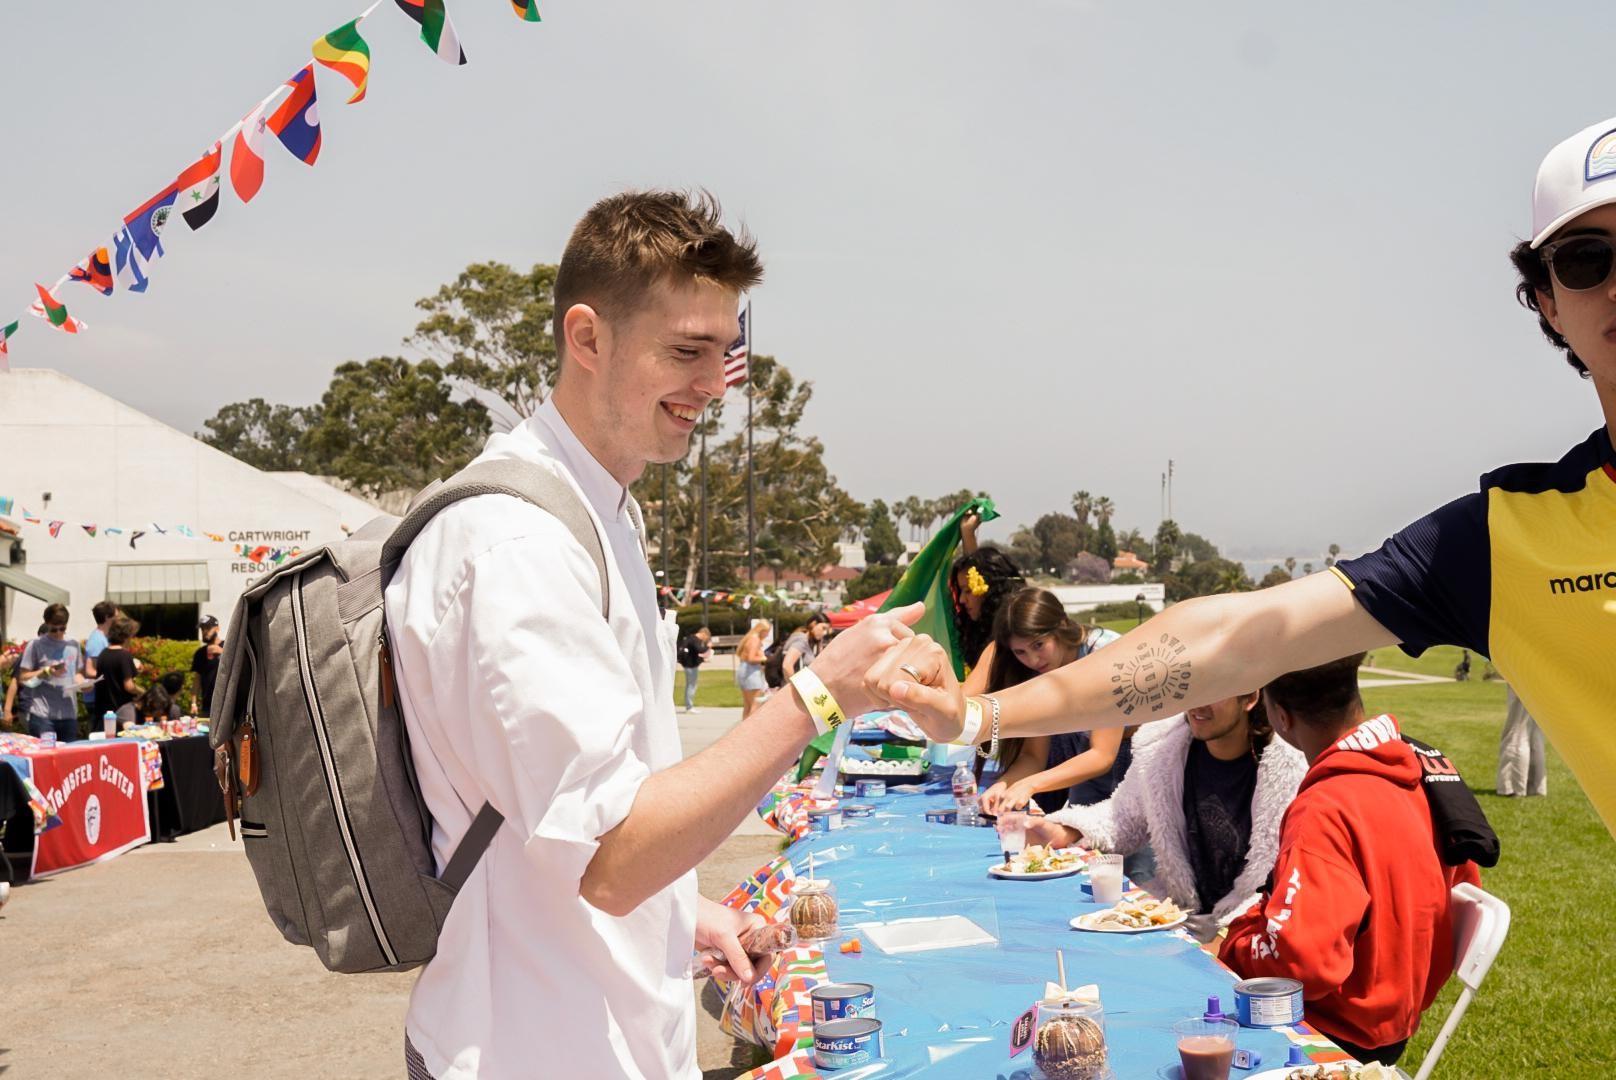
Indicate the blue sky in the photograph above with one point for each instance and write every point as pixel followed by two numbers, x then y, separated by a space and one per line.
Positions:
pixel 1027 247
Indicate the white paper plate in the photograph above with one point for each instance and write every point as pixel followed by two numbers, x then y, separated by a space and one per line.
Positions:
pixel 998 871
pixel 1084 922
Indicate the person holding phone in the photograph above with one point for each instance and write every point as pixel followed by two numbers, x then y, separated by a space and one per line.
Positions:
pixel 57 662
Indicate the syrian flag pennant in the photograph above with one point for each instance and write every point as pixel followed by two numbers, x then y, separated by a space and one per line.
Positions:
pixel 127 268
pixel 346 53
pixel 147 221
pixel 436 29
pixel 95 271
pixel 49 308
pixel 526 10
pixel 55 528
pixel 247 156
pixel 297 122
pixel 199 188
pixel 89 529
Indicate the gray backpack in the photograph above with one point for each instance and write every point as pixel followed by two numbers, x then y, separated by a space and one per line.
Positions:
pixel 312 752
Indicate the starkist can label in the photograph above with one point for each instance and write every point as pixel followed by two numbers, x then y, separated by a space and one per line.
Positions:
pixel 842 1001
pixel 841 1043
pixel 1264 1003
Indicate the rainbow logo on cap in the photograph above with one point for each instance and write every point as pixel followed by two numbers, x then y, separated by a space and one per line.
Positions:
pixel 1601 158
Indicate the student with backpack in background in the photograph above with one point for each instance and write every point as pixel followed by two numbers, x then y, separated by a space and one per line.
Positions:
pixel 694 650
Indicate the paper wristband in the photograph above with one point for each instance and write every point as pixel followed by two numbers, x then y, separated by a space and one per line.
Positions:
pixel 972 732
pixel 826 713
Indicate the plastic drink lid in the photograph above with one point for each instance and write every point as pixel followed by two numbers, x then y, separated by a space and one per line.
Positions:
pixel 1297 1056
pixel 1214 1010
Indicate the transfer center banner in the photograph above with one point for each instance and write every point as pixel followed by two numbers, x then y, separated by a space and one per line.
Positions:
pixel 96 790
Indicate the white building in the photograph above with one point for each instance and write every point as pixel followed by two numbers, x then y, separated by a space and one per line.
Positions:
pixel 72 456
pixel 1077 599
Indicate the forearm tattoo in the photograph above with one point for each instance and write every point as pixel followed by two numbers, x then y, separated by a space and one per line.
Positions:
pixel 1156 674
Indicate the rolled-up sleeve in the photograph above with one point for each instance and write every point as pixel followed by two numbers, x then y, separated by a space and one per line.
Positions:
pixel 548 706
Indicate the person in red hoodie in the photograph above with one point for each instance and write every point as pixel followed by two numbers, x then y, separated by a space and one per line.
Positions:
pixel 1357 909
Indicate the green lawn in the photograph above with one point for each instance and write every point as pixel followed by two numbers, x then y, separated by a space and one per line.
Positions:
pixel 1437 660
pixel 715 688
pixel 1558 875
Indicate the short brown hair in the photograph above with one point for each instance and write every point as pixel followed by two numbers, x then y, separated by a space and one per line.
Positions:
pixel 1535 278
pixel 1321 695
pixel 122 629
pixel 628 243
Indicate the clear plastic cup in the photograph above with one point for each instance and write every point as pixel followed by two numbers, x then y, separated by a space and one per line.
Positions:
pixel 1205 1047
pixel 1105 876
pixel 1012 826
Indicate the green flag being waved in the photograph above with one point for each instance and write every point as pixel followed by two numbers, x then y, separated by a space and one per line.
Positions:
pixel 926 578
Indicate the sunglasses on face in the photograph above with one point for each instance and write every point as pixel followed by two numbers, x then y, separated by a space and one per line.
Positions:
pixel 56 629
pixel 1580 263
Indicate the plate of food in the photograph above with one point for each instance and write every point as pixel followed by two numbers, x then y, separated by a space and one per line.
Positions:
pixel 1133 917
pixel 1038 862
pixel 1341 1070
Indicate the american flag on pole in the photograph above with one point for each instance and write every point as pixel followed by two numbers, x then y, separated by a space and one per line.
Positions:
pixel 736 355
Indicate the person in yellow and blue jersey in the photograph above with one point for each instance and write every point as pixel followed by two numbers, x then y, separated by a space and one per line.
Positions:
pixel 1522 570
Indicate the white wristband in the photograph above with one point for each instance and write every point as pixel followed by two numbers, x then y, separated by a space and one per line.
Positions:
pixel 972 731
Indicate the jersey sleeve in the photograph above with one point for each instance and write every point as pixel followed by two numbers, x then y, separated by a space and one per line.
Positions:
pixel 1430 583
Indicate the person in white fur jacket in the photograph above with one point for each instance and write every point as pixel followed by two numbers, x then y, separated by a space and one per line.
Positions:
pixel 1214 847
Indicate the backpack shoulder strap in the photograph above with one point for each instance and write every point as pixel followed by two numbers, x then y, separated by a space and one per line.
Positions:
pixel 503 476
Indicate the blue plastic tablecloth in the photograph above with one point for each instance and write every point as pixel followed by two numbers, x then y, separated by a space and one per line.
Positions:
pixel 896 859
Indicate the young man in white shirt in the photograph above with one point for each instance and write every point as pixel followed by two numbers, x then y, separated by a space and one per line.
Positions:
pixel 567 950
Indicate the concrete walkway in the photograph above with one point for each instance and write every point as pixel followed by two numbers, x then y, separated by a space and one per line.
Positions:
pixel 162 962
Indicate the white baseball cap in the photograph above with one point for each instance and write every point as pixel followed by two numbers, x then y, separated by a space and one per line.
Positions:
pixel 1576 176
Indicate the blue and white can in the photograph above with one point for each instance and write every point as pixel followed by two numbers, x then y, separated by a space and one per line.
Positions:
pixel 824 820
pixel 842 1001
pixel 1268 1003
pixel 870 789
pixel 858 810
pixel 942 817
pixel 841 1043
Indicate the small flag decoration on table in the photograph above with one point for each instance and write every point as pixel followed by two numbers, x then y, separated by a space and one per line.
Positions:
pixel 346 53
pixel 199 188
pixel 436 29
pixel 297 122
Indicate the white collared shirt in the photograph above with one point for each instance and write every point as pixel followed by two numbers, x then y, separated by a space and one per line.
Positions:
pixel 517 692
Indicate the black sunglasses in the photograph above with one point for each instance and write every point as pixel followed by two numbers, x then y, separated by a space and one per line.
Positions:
pixel 56 629
pixel 1580 263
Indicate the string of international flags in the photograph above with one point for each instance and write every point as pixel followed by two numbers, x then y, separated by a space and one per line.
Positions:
pixel 125 261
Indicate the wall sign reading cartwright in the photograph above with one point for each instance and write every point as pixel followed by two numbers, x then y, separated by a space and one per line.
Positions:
pixel 267 536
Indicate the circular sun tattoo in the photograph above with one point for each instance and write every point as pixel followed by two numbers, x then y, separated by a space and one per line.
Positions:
pixel 1155 674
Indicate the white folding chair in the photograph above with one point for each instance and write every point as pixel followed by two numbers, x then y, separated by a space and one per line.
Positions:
pixel 1480 924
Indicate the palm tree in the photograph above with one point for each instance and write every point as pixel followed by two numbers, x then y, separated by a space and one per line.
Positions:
pixel 900 514
pixel 1307 568
pixel 1082 506
pixel 1335 550
pixel 1290 566
pixel 1103 509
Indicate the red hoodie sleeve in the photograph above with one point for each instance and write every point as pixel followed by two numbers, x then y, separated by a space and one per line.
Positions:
pixel 1305 929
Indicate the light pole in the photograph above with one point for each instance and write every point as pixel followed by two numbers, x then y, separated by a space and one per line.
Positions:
pixel 1140 600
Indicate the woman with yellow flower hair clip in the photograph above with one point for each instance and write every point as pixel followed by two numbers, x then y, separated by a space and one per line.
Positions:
pixel 980 580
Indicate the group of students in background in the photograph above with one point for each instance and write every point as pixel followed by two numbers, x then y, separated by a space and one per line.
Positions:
pixel 53 672
pixel 1288 822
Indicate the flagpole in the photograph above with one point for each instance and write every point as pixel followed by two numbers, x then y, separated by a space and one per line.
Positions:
pixel 704 582
pixel 751 352
pixel 665 584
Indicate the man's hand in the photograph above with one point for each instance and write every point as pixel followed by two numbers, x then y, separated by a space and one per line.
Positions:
pixel 1052 834
pixel 845 664
pixel 5 721
pixel 917 675
pixel 720 928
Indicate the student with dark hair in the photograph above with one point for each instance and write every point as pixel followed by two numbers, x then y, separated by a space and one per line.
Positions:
pixel 17 692
pixel 205 664
pixel 115 687
pixel 980 581
pixel 1207 795
pixel 805 643
pixel 1032 635
pixel 57 663
pixel 1357 909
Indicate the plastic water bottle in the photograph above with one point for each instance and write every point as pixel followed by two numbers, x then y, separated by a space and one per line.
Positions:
pixel 964 785
pixel 109 724
pixel 48 739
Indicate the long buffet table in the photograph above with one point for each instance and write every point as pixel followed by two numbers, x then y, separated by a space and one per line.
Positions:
pixel 950 1012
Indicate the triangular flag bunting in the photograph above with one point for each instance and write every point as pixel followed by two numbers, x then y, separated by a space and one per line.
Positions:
pixel 526 10
pixel 345 52
pixel 247 156
pixel 112 530
pixel 199 188
pixel 136 535
pixel 95 271
pixel 127 264
pixel 297 122
pixel 48 307
pixel 436 29
pixel 89 529
pixel 55 528
pixel 5 335
pixel 147 221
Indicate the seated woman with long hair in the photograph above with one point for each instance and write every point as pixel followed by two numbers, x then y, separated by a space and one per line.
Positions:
pixel 979 583
pixel 1033 634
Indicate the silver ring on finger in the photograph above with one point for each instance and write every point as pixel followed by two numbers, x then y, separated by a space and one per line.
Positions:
pixel 909 670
